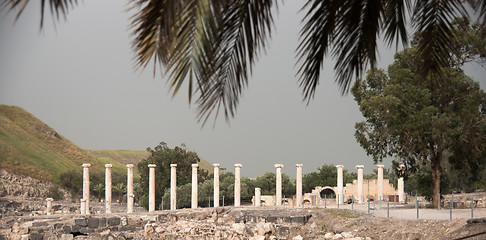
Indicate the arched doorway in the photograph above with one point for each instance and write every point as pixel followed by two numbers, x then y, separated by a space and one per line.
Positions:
pixel 327 193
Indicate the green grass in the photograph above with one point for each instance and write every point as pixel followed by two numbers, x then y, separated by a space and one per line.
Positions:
pixel 30 147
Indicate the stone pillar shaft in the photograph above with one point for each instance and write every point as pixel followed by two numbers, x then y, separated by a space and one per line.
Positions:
pixel 152 187
pixel 194 186
pixel 237 184
pixel 83 206
pixel 380 182
pixel 173 187
pixel 298 189
pixel 216 184
pixel 86 187
pixel 360 183
pixel 108 188
pixel 130 196
pixel 340 195
pixel 258 197
pixel 401 185
pixel 49 206
pixel 278 183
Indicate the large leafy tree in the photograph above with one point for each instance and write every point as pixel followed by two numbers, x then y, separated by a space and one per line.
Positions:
pixel 422 121
pixel 213 44
pixel 325 176
pixel 163 157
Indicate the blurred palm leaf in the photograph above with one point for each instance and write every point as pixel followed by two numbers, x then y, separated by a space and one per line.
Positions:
pixel 213 44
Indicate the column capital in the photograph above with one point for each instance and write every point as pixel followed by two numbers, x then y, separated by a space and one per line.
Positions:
pixel 216 165
pixel 86 165
pixel 359 166
pixel 258 188
pixel 278 165
pixel 173 165
pixel 49 199
pixel 380 166
pixel 339 166
pixel 238 165
pixel 130 165
pixel 194 165
pixel 108 165
pixel 299 165
pixel 152 165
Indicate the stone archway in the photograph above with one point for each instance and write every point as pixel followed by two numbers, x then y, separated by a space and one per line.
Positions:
pixel 327 192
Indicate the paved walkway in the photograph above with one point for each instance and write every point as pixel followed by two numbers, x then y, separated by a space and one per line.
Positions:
pixel 408 212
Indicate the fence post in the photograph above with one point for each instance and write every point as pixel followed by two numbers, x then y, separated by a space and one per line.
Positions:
pixel 472 207
pixel 162 204
pixel 368 204
pixel 388 209
pixel 394 200
pixel 374 201
pixel 438 202
pixel 314 200
pixel 451 206
pixel 352 202
pixel 325 200
pixel 209 201
pixel 417 205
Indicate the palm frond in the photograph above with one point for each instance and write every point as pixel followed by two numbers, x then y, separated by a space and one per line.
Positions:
pixel 241 32
pixel 58 8
pixel 351 29
pixel 433 21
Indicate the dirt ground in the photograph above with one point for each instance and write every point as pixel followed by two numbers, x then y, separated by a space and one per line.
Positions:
pixel 402 222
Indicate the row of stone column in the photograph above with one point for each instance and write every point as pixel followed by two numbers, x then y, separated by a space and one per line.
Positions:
pixel 237 187
pixel 108 191
pixel 194 195
pixel 380 187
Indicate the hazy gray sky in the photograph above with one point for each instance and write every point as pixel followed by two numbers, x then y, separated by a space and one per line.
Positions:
pixel 78 77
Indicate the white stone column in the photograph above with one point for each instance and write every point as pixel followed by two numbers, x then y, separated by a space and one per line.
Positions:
pixel 108 188
pixel 278 183
pixel 173 187
pixel 298 185
pixel 216 184
pixel 86 186
pixel 340 195
pixel 380 181
pixel 401 186
pixel 258 197
pixel 83 206
pixel 237 184
pixel 360 183
pixel 152 187
pixel 194 186
pixel 130 196
pixel 49 206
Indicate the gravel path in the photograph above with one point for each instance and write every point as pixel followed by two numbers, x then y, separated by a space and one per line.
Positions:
pixel 408 212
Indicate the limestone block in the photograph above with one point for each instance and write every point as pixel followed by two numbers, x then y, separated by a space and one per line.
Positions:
pixel 347 234
pixel 36 236
pixel 67 237
pixel 328 235
pixel 238 227
pixel 113 221
pixel 81 222
pixel 337 236
pixel 93 222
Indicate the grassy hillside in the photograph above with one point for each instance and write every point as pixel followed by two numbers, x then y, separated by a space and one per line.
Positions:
pixel 30 147
pixel 122 156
